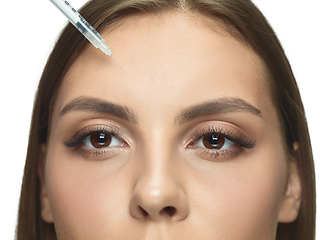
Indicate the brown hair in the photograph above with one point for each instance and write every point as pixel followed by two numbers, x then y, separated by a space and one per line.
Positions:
pixel 240 18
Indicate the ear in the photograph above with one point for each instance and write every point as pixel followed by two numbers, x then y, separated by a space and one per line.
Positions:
pixel 46 213
pixel 292 199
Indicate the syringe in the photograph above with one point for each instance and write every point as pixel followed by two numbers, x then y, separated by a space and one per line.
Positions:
pixel 83 26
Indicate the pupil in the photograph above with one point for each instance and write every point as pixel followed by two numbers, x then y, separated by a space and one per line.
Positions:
pixel 101 139
pixel 214 140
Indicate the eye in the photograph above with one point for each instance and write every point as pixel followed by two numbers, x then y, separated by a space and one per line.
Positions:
pixel 214 141
pixel 101 140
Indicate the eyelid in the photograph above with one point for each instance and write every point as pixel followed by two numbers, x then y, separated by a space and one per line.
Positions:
pixel 232 135
pixel 83 133
pixel 75 143
pixel 240 139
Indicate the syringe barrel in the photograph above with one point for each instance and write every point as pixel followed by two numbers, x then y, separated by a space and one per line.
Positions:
pixel 79 22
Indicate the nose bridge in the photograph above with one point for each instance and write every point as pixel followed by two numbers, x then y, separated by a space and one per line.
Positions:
pixel 158 193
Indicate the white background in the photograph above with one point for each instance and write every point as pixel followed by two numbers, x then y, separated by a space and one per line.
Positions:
pixel 28 32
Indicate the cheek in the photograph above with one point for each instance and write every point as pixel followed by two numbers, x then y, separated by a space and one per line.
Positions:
pixel 84 194
pixel 259 191
pixel 242 198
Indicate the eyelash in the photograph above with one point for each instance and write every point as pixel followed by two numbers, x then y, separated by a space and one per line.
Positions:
pixel 77 140
pixel 238 139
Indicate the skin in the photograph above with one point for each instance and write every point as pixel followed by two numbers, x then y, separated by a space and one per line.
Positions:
pixel 157 182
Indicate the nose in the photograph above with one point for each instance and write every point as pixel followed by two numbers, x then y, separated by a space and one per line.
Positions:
pixel 158 196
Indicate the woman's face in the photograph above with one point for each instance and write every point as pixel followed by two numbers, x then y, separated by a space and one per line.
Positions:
pixel 185 144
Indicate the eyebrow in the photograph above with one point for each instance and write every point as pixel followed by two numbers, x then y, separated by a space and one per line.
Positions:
pixel 99 106
pixel 219 106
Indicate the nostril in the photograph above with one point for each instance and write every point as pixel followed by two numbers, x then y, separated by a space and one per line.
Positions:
pixel 143 212
pixel 168 210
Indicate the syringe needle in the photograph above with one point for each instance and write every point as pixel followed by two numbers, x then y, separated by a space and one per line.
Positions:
pixel 118 62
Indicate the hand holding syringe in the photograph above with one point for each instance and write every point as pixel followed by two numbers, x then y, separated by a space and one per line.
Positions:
pixel 83 26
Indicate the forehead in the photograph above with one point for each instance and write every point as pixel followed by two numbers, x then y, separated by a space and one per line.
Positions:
pixel 179 58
